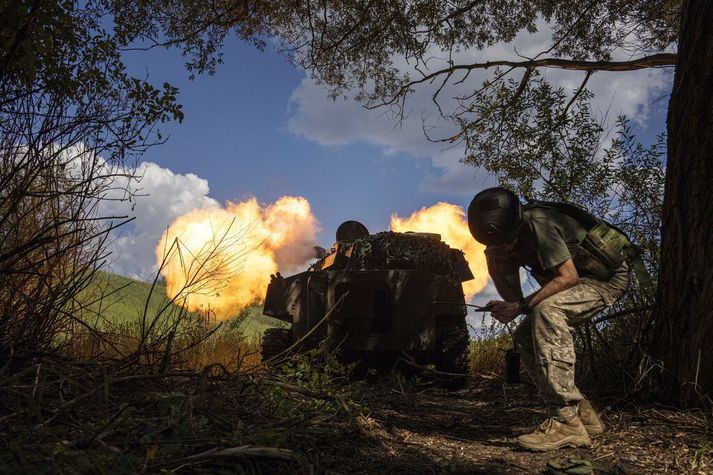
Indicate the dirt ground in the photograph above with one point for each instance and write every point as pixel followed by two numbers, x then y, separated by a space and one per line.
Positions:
pixel 272 423
pixel 472 431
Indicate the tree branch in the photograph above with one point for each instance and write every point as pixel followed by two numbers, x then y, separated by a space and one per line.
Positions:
pixel 577 93
pixel 622 313
pixel 653 61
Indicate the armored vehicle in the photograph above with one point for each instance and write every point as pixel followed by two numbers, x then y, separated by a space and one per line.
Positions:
pixel 376 298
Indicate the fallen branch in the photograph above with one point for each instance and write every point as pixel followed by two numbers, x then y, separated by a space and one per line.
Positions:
pixel 299 390
pixel 245 451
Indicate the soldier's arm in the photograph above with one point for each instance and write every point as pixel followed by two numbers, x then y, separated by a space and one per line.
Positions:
pixel 567 277
pixel 554 255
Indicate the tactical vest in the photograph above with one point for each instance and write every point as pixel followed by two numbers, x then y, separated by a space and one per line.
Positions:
pixel 604 247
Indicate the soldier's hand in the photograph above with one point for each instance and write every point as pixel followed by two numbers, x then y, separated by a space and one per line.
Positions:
pixel 504 312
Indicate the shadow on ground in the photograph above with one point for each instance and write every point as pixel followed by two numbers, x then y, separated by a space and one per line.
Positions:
pixel 472 431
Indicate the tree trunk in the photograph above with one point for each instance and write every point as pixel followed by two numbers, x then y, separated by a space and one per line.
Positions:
pixel 683 329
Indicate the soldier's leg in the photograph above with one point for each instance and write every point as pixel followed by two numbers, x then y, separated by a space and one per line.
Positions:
pixel 552 321
pixel 552 324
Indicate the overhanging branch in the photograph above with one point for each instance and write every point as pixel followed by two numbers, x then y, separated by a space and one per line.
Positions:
pixel 652 61
pixel 655 60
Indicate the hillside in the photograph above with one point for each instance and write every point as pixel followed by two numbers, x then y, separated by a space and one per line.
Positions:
pixel 120 299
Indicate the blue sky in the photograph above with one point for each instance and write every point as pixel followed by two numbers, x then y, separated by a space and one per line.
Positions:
pixel 259 127
pixel 235 135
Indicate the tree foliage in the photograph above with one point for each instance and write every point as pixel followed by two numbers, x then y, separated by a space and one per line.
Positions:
pixel 546 145
pixel 362 44
pixel 538 141
pixel 71 118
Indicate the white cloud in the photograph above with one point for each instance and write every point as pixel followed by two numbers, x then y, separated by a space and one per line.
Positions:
pixel 161 197
pixel 150 194
pixel 341 122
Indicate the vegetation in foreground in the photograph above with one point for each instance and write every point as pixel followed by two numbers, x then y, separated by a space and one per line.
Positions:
pixel 114 300
pixel 308 416
pixel 151 395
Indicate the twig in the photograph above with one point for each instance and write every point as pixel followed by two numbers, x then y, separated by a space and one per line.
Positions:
pixel 37 380
pixel 102 432
pixel 362 425
pixel 245 451
pixel 622 313
pixel 299 390
pixel 603 456
pixel 7 417
pixel 9 359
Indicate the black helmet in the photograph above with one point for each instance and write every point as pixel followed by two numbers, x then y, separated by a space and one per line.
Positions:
pixel 351 230
pixel 495 216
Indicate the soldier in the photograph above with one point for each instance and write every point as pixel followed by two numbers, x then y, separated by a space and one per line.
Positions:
pixel 550 242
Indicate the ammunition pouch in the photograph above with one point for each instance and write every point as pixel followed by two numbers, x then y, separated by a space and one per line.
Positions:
pixel 604 247
pixel 600 251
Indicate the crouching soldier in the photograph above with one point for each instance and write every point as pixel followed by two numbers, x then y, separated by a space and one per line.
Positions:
pixel 581 266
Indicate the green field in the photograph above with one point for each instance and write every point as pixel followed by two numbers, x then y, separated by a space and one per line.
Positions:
pixel 118 299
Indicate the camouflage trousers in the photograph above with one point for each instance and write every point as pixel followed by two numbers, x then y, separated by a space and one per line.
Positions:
pixel 546 345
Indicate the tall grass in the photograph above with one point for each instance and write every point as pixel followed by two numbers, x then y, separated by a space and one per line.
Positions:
pixel 487 353
pixel 194 344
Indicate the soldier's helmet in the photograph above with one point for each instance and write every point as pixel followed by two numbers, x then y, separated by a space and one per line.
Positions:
pixel 495 216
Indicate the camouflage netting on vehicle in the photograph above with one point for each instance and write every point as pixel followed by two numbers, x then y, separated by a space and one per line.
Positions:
pixel 390 250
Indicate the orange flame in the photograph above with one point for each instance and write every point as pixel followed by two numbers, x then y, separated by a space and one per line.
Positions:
pixel 219 260
pixel 449 221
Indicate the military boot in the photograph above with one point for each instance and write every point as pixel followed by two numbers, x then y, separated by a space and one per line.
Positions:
pixel 590 418
pixel 554 434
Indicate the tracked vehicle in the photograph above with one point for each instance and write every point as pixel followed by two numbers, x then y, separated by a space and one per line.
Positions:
pixel 376 298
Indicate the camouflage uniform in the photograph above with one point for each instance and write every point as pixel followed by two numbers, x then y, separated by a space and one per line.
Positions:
pixel 544 338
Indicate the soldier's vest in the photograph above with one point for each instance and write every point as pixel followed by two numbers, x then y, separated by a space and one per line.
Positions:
pixel 604 247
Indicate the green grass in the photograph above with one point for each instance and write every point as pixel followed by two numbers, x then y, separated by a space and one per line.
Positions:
pixel 251 321
pixel 119 299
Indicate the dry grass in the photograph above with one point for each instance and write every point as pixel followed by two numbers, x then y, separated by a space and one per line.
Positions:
pixel 487 353
pixel 108 416
pixel 228 348
pixel 193 345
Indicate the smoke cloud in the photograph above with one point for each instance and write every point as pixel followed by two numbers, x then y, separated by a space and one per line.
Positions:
pixel 218 260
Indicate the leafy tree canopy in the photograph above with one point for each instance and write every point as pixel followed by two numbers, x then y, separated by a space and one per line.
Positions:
pixel 353 44
pixel 59 60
